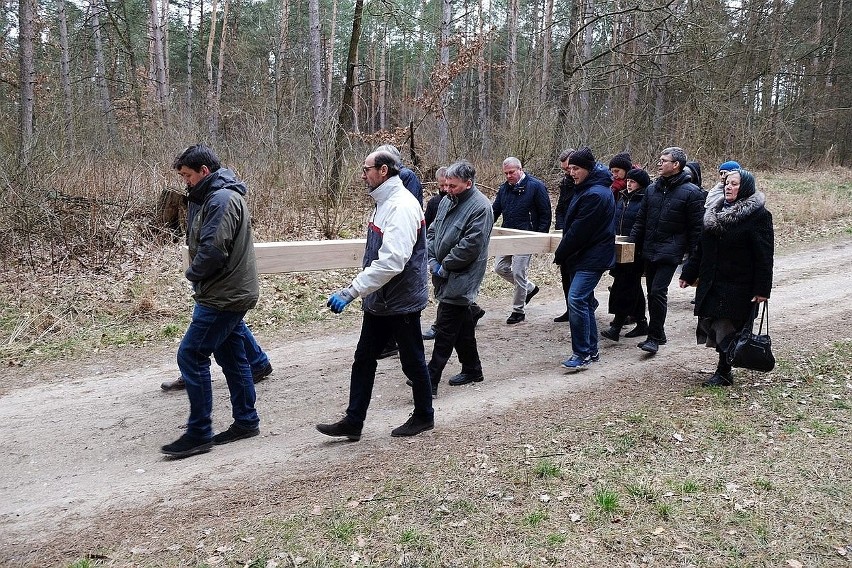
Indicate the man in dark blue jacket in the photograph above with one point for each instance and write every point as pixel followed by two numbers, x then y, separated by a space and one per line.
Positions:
pixel 523 202
pixel 587 249
pixel 667 228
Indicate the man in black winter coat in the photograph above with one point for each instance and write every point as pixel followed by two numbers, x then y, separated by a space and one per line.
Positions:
pixel 566 194
pixel 667 227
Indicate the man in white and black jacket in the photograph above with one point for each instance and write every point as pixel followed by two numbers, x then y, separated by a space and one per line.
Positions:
pixel 393 285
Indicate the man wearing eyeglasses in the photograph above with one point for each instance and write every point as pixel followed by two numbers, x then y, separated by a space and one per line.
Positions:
pixel 667 227
pixel 393 288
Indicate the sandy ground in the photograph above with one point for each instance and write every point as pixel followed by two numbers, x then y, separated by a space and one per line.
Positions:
pixel 79 439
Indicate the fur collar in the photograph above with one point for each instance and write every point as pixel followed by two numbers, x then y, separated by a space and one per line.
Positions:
pixel 718 218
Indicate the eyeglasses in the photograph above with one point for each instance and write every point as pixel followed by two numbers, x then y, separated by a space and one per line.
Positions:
pixel 662 161
pixel 365 169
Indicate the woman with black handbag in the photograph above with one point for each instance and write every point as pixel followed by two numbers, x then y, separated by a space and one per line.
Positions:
pixel 732 266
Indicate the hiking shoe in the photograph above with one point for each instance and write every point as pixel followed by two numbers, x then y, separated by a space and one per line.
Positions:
pixel 638 331
pixel 465 378
pixel 175 385
pixel 613 333
pixel 578 361
pixel 531 293
pixel 516 317
pixel 233 433
pixel 261 374
pixel 563 317
pixel 430 334
pixel 388 353
pixel 342 429
pixel 650 345
pixel 413 426
pixel 186 446
pixel 478 316
pixel 719 380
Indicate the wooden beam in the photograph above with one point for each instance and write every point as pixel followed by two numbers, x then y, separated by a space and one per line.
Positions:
pixel 304 256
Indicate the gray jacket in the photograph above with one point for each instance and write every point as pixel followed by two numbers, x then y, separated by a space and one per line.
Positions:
pixel 458 240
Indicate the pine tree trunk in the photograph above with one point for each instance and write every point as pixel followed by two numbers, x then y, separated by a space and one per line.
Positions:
pixel 65 77
pixel 26 77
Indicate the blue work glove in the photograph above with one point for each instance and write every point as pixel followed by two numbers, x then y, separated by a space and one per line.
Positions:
pixel 339 300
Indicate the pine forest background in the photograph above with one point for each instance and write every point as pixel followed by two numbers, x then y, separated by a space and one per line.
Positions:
pixel 98 96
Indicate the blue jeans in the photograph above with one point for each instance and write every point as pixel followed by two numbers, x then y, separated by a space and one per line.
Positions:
pixel 256 357
pixel 581 312
pixel 375 333
pixel 221 334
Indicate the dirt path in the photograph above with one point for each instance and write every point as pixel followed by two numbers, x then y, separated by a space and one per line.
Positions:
pixel 84 440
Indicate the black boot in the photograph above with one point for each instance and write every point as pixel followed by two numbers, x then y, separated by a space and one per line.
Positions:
pixel 723 377
pixel 614 331
pixel 640 329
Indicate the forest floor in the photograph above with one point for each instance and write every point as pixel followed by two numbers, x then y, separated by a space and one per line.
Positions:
pixel 84 484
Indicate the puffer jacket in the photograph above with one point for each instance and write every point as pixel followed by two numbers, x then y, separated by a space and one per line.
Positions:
pixel 588 238
pixel 221 249
pixel 524 206
pixel 393 281
pixel 733 261
pixel 669 222
pixel 458 240
pixel 627 206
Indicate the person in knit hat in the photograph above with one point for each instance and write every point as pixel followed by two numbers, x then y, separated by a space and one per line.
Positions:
pixel 586 251
pixel 619 165
pixel 716 192
pixel 626 298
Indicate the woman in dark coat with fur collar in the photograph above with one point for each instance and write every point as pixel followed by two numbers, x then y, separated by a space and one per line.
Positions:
pixel 732 266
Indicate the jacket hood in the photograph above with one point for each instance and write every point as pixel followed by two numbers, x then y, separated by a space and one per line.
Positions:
pixel 695 168
pixel 221 178
pixel 600 175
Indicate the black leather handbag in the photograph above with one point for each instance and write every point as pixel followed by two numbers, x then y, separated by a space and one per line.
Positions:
pixel 753 350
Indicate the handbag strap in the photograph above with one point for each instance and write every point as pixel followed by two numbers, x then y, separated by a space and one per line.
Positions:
pixel 763 312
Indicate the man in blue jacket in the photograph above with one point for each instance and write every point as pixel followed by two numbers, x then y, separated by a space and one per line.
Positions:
pixel 587 250
pixel 523 202
pixel 393 286
pixel 225 285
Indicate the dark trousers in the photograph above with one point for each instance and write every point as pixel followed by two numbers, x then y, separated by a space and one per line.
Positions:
pixel 658 276
pixel 626 297
pixel 455 328
pixel 375 333
pixel 565 272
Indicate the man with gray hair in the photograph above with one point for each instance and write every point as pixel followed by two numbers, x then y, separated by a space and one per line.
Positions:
pixel 523 202
pixel 457 251
pixel 393 287
pixel 667 228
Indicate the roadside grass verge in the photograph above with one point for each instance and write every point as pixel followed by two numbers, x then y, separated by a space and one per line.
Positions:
pixel 675 475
